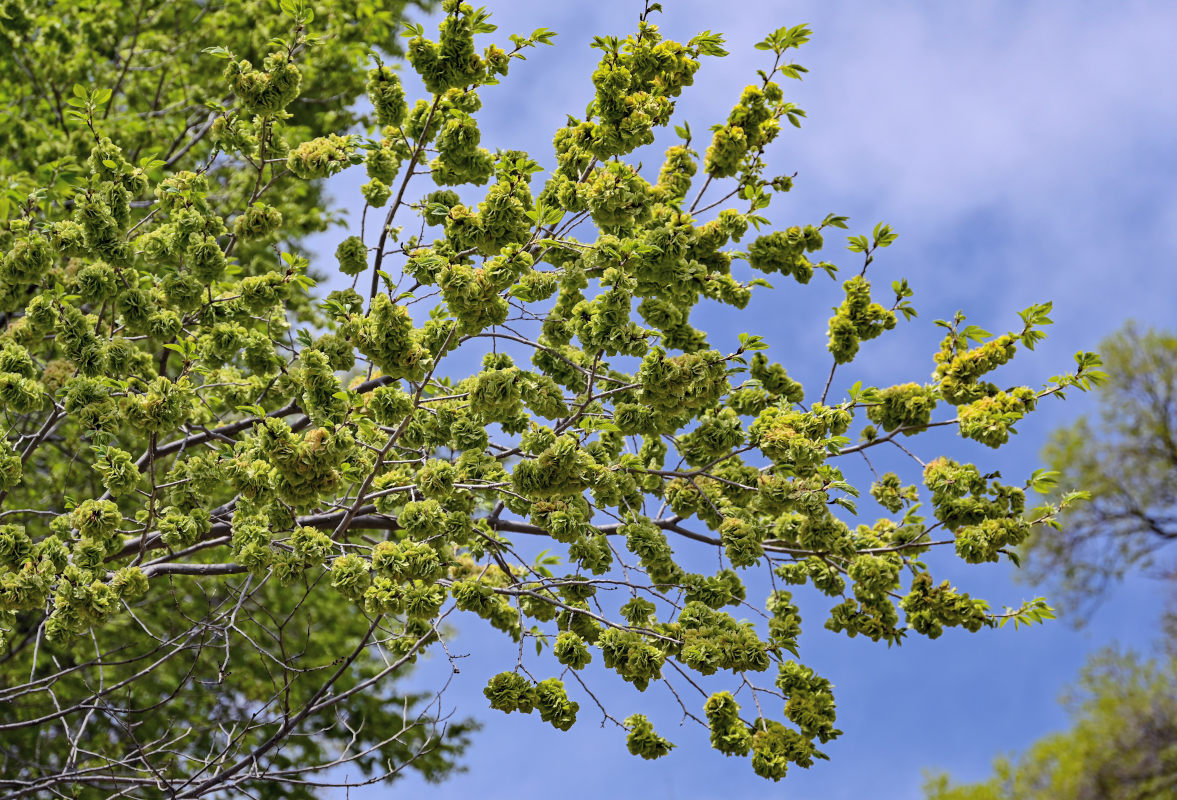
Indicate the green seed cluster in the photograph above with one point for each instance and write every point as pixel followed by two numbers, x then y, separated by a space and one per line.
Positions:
pixel 856 320
pixel 985 515
pixel 321 157
pixel 388 97
pixel 784 252
pixel 959 372
pixel 510 691
pixel 752 124
pixel 451 62
pixel 908 406
pixel 990 420
pixel 643 741
pixel 268 90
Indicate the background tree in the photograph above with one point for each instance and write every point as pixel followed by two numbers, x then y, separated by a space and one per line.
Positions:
pixel 1122 744
pixel 139 64
pixel 217 484
pixel 1125 456
pixel 136 72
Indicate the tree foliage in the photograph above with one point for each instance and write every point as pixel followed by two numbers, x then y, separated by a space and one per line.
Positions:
pixel 138 702
pixel 1122 744
pixel 1125 457
pixel 221 483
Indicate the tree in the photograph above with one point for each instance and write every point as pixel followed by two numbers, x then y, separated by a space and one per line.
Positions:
pixel 216 478
pixel 135 72
pixel 140 75
pixel 1122 745
pixel 1126 459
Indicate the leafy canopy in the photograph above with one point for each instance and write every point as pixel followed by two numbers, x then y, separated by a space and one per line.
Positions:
pixel 184 687
pixel 195 437
pixel 1125 457
pixel 1122 744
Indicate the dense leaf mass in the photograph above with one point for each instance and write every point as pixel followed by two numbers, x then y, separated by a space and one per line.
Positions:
pixel 283 493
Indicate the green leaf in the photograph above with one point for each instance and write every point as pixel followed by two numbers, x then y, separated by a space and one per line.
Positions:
pixel 708 44
pixel 846 503
pixel 857 244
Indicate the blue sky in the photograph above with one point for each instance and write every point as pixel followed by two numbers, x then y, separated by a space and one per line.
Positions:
pixel 1024 152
